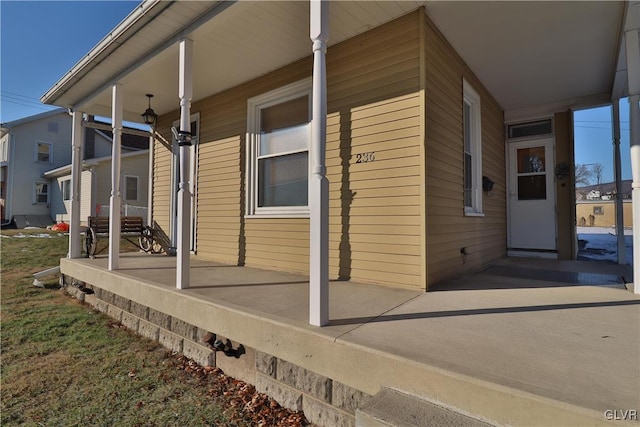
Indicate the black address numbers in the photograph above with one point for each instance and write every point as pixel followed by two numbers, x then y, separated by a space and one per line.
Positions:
pixel 365 157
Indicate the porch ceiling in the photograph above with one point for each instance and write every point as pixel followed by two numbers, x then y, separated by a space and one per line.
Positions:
pixel 528 54
pixel 536 54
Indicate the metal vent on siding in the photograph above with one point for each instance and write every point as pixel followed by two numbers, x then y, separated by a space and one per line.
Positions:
pixel 522 130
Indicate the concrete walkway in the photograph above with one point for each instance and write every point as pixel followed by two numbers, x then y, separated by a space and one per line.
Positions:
pixel 499 348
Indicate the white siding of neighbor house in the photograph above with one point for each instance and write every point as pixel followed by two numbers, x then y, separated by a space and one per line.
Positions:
pixel 137 165
pixel 95 187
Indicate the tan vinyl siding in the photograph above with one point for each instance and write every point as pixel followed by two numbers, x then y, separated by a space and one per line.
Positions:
pixel 375 207
pixel 162 180
pixel 448 229
pixel 220 199
pixel 374 107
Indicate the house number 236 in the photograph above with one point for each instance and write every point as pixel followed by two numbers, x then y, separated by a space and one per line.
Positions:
pixel 365 157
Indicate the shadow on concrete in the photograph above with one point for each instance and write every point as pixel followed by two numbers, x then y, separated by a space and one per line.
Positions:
pixel 477 311
pixel 248 285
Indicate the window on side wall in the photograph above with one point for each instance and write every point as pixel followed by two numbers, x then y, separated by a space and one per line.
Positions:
pixel 130 187
pixel 43 153
pixel 41 190
pixel 66 189
pixel 472 135
pixel 278 151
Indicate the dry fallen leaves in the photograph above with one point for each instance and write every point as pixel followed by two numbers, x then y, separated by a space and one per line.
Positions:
pixel 244 405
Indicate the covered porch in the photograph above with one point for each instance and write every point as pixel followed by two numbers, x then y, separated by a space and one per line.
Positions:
pixel 183 53
pixel 496 347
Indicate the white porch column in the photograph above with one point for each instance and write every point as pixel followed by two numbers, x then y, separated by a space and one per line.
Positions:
pixel 150 186
pixel 114 201
pixel 617 164
pixel 77 140
pixel 184 142
pixel 632 41
pixel 318 183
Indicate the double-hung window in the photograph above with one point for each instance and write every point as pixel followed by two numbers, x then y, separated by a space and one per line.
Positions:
pixel 41 190
pixel 43 152
pixel 472 135
pixel 130 187
pixel 278 151
pixel 66 189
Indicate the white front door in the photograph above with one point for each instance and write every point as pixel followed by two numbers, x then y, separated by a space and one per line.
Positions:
pixel 532 201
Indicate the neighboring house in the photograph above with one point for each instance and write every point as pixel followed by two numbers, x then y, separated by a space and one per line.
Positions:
pixel 605 190
pixel 596 204
pixel 95 188
pixel 31 146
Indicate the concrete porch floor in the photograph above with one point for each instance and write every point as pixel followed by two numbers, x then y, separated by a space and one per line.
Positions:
pixel 506 350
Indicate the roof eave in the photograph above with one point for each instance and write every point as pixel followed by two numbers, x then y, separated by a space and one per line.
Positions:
pixel 110 42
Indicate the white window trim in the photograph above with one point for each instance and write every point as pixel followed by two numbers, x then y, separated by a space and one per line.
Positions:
pixel 35 152
pixel 472 98
pixel 254 105
pixel 62 184
pixel 35 193
pixel 124 185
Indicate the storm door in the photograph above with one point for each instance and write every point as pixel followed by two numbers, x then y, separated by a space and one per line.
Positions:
pixel 532 217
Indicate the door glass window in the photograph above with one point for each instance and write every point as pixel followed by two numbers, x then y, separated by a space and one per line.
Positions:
pixel 531 160
pixel 532 187
pixel 532 179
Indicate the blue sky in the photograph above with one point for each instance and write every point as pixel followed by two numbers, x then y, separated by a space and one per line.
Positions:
pixel 42 40
pixel 593 139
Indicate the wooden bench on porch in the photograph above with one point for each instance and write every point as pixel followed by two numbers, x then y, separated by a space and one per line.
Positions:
pixel 131 227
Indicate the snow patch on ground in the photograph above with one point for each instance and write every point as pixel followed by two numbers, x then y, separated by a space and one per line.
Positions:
pixel 601 244
pixel 35 236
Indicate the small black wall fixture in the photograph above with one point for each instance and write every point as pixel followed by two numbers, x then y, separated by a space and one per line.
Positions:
pixel 487 184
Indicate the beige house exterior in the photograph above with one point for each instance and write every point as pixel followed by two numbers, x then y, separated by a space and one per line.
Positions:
pixel 602 213
pixel 398 219
pixel 446 126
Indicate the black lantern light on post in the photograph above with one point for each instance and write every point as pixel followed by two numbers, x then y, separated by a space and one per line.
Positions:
pixel 149 116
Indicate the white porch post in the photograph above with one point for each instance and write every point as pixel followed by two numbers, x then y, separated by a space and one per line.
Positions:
pixel 150 186
pixel 77 139
pixel 184 142
pixel 318 183
pixel 632 42
pixel 114 201
pixel 617 163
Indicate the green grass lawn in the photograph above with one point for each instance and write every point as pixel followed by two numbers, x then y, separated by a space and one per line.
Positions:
pixel 64 364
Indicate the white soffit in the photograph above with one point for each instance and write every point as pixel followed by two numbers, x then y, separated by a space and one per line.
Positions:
pixel 534 53
pixel 242 42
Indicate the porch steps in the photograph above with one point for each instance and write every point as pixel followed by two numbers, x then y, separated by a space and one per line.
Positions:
pixel 392 408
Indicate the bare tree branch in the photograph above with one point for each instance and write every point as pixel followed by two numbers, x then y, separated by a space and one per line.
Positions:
pixel 582 175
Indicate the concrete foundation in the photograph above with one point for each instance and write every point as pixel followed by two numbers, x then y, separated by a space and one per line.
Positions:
pixel 325 402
